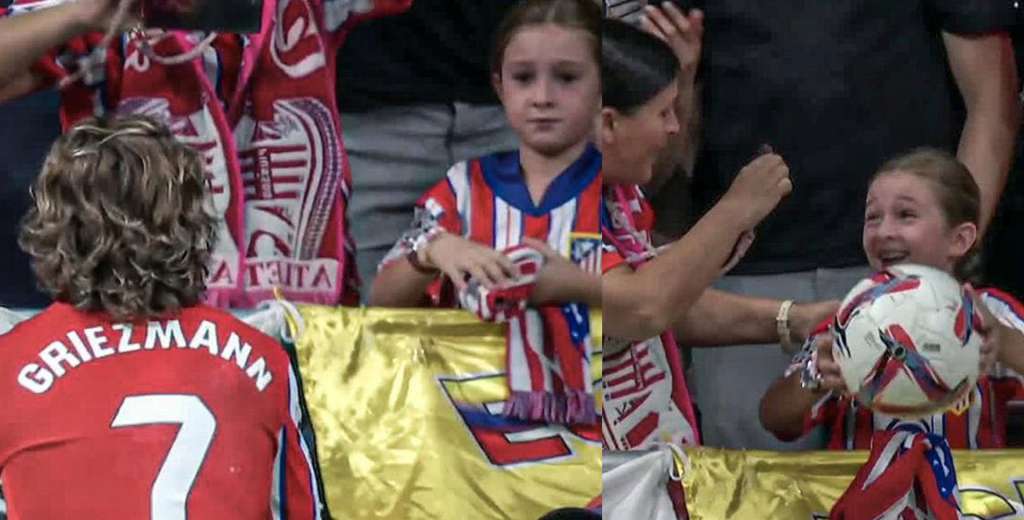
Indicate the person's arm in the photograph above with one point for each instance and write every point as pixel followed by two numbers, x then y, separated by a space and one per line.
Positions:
pixel 27 37
pixel 985 73
pixel 684 33
pixel 399 284
pixel 786 404
pixel 561 281
pixel 1011 349
pixel 644 303
pixel 1003 335
pixel 720 318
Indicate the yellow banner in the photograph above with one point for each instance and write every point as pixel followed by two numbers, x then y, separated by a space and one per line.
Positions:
pixel 722 484
pixel 406 405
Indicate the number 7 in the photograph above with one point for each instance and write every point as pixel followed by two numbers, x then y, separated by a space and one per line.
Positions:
pixel 177 474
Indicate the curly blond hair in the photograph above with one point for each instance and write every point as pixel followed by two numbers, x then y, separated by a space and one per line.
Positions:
pixel 120 221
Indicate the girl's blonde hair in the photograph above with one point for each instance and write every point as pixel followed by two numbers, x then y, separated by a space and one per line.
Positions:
pixel 119 221
pixel 955 189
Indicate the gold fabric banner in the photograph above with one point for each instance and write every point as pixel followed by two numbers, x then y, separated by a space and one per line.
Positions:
pixel 406 406
pixel 722 484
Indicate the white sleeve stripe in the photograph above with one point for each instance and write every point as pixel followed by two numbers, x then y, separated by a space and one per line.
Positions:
pixel 295 408
pixel 458 179
pixel 1003 310
pixel 275 482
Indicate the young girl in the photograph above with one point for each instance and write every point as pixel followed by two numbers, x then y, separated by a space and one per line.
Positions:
pixel 128 393
pixel 922 208
pixel 651 296
pixel 545 71
pixel 479 228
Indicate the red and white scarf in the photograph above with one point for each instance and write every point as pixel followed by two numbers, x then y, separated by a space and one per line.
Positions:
pixel 548 347
pixel 261 109
pixel 645 396
pixel 909 475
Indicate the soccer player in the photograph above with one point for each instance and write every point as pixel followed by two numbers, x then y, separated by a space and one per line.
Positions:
pixel 127 397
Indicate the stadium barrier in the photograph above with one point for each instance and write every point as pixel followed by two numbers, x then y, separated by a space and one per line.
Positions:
pixel 729 484
pixel 406 406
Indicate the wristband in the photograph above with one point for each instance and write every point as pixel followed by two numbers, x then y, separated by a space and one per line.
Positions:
pixel 810 379
pixel 419 243
pixel 782 327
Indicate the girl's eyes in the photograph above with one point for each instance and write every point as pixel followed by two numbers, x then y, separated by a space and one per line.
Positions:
pixel 522 77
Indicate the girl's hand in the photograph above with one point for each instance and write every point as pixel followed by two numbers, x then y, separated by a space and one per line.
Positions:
pixel 803 317
pixel 461 259
pixel 557 278
pixel 992 330
pixel 683 32
pixel 831 376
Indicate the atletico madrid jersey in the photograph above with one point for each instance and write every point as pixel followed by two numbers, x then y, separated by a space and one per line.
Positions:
pixel 193 416
pixel 981 426
pixel 486 200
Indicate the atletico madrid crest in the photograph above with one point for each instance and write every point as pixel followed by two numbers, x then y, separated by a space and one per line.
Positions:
pixel 585 251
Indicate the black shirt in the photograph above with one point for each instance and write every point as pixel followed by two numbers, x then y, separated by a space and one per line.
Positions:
pixel 28 127
pixel 837 88
pixel 436 52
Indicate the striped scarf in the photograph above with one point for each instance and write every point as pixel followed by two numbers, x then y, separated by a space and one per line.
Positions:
pixel 909 475
pixel 548 347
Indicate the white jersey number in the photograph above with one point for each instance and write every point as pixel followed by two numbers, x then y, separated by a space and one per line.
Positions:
pixel 175 478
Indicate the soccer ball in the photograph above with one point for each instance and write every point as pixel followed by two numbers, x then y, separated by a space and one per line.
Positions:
pixel 906 341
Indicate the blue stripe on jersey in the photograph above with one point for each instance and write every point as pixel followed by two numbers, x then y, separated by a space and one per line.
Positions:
pixel 494 226
pixel 281 482
pixel 503 174
pixel 606 217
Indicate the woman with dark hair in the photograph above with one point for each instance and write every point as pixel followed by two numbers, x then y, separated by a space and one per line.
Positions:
pixel 650 295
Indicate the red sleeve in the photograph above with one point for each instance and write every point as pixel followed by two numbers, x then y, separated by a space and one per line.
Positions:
pixel 1008 388
pixel 440 202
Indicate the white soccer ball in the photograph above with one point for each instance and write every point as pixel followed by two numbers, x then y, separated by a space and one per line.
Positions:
pixel 907 341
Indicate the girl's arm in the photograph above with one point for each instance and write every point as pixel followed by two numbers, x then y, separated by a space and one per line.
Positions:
pixel 562 281
pixel 786 403
pixel 400 284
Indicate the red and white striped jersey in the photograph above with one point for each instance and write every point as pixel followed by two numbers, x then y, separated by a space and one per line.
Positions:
pixel 196 415
pixel 486 200
pixel 981 426
pixel 261 109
